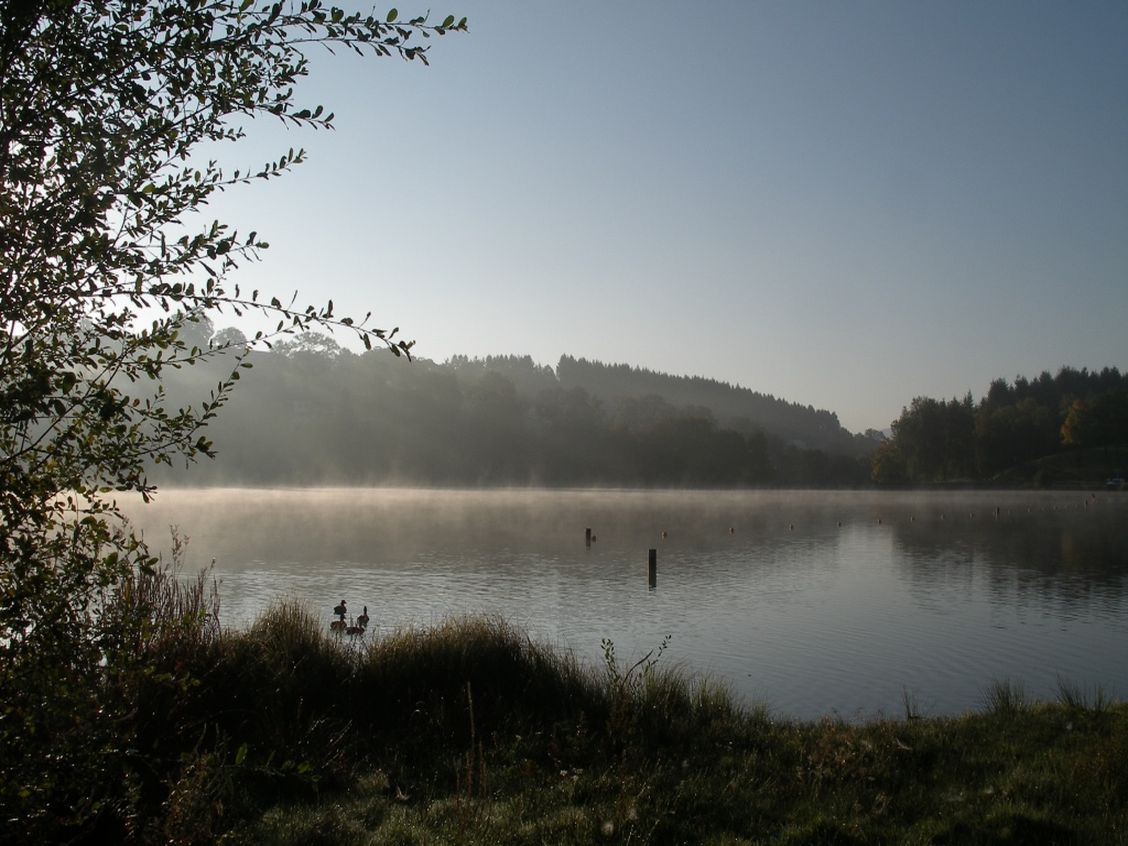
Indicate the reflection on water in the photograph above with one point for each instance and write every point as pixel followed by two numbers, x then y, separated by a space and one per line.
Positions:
pixel 814 602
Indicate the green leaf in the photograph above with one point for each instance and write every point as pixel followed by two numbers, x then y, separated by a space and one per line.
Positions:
pixel 392 15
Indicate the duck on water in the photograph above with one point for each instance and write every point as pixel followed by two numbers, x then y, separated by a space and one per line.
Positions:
pixel 356 628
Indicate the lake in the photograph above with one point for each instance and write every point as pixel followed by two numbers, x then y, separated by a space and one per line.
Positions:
pixel 812 603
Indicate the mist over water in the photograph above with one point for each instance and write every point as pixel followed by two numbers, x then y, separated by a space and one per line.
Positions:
pixel 812 602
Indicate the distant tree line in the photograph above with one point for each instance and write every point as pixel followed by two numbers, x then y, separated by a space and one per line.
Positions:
pixel 959 439
pixel 735 407
pixel 314 413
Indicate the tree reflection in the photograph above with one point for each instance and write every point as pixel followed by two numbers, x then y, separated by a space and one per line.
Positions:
pixel 1062 553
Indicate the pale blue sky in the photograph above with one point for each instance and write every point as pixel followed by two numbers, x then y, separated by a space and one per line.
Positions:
pixel 843 204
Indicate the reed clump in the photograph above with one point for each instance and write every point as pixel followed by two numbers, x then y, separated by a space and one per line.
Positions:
pixel 421 675
pixel 1004 698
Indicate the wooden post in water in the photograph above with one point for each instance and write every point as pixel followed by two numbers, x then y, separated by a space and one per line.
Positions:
pixel 652 567
pixel 587 537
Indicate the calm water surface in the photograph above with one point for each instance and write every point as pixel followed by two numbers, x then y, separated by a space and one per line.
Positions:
pixel 810 602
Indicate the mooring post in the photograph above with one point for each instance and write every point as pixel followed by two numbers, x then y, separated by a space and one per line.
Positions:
pixel 653 567
pixel 587 537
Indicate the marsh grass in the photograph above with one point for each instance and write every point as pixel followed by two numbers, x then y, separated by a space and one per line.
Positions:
pixel 1004 698
pixel 469 732
pixel 1093 701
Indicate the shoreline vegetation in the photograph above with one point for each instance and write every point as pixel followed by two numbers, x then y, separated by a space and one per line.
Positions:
pixel 470 732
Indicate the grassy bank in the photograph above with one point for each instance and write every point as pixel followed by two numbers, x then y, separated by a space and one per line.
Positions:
pixel 470 733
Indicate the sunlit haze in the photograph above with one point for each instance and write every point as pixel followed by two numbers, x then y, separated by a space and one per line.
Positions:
pixel 843 205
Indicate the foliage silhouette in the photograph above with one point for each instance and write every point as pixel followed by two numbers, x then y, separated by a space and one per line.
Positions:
pixel 105 106
pixel 934 441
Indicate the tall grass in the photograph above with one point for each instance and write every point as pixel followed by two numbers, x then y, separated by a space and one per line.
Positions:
pixel 1077 699
pixel 468 731
pixel 1004 698
pixel 231 719
pixel 157 613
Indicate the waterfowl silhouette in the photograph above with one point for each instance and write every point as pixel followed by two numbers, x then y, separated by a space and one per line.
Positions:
pixel 362 620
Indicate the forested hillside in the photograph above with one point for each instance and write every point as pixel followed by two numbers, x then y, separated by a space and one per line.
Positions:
pixel 959 439
pixel 312 413
pixel 734 407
